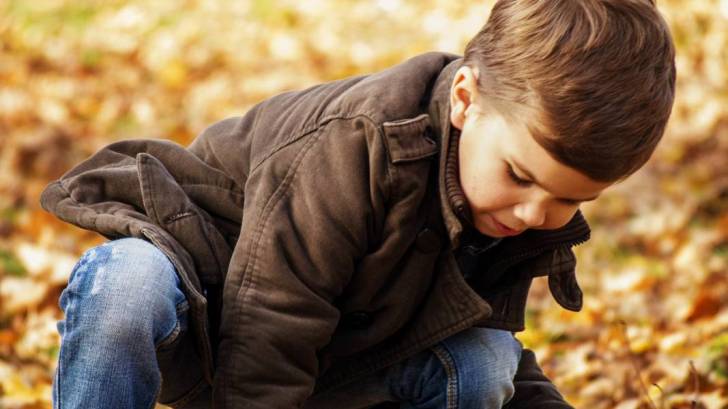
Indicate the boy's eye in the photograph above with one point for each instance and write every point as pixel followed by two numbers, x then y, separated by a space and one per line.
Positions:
pixel 515 178
pixel 526 183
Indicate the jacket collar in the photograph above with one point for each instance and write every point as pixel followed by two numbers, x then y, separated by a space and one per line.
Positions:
pixel 455 208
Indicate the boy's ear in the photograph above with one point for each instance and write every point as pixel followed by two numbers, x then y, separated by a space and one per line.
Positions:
pixel 463 91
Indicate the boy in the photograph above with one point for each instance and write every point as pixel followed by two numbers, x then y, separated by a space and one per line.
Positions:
pixel 368 240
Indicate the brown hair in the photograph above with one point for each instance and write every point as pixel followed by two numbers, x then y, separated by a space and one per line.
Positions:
pixel 600 74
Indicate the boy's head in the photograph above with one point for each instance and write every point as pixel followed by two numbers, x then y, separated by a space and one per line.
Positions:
pixel 577 92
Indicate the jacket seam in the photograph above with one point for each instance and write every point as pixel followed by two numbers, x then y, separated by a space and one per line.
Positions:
pixel 281 189
pixel 292 139
pixel 325 121
pixel 237 194
pixel 249 271
pixel 388 169
pixel 389 185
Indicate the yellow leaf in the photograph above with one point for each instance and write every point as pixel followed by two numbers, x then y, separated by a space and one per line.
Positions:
pixel 173 74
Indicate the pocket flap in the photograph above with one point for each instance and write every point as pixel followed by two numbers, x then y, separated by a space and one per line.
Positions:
pixel 409 139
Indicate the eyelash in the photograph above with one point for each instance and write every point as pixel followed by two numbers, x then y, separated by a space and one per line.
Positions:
pixel 515 178
pixel 526 183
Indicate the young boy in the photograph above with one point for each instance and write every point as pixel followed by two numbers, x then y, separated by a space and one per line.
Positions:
pixel 368 240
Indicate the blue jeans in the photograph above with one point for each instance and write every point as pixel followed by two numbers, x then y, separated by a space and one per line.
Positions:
pixel 124 305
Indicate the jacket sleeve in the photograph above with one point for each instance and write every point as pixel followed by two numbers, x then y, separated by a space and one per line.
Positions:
pixel 310 212
pixel 533 389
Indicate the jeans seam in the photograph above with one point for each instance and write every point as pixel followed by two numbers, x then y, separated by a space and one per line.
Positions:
pixel 452 375
pixel 170 338
pixel 174 334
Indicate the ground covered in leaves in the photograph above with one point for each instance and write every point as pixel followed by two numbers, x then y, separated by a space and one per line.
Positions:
pixel 76 75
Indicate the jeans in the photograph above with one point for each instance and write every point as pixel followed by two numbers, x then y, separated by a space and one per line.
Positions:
pixel 124 304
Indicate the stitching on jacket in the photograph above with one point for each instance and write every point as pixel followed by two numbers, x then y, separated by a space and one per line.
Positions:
pixel 393 186
pixel 392 171
pixel 238 195
pixel 405 122
pixel 177 216
pixel 280 192
pixel 248 271
pixel 389 194
pixel 286 142
pixel 411 153
pixel 148 193
pixel 305 131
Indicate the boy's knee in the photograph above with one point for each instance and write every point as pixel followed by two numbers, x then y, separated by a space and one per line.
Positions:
pixel 130 271
pixel 120 289
pixel 484 361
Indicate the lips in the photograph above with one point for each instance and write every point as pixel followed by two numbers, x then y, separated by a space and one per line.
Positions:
pixel 505 229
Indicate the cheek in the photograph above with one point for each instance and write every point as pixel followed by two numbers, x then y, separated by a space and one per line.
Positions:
pixel 483 180
pixel 484 190
pixel 558 218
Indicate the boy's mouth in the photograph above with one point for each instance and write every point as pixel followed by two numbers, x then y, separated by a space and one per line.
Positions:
pixel 503 229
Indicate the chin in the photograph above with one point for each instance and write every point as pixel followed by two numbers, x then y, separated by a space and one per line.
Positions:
pixel 482 228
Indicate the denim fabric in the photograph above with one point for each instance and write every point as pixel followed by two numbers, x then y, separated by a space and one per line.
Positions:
pixel 123 305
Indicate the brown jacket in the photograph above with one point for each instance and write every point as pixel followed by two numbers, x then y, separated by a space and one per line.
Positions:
pixel 331 216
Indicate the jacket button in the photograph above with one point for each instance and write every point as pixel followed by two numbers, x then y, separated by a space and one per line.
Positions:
pixel 357 320
pixel 427 241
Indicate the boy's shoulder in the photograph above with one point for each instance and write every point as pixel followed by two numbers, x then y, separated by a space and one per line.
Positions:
pixel 396 93
pixel 393 94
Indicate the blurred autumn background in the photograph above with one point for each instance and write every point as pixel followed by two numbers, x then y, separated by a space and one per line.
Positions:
pixel 77 75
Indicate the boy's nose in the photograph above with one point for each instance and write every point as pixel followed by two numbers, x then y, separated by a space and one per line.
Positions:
pixel 532 214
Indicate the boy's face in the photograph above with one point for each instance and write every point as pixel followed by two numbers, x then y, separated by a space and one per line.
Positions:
pixel 510 181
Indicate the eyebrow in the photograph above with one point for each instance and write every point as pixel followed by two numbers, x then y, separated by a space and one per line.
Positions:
pixel 534 180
